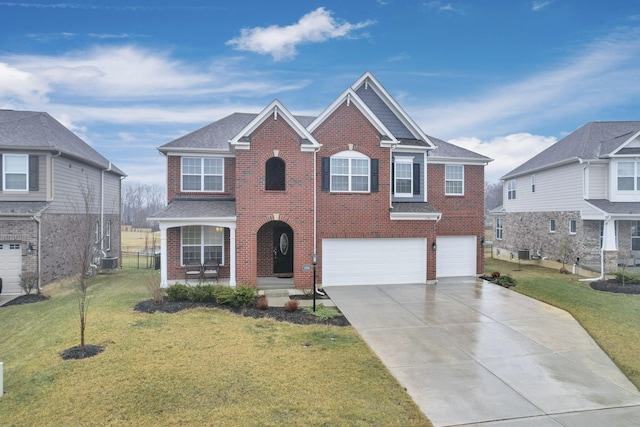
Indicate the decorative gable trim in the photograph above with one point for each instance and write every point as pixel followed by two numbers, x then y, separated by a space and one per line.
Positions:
pixel 371 82
pixel 352 99
pixel 277 111
pixel 629 148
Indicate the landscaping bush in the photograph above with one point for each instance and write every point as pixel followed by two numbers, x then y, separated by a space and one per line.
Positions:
pixel 291 305
pixel 626 277
pixel 153 286
pixel 178 292
pixel 242 296
pixel 506 281
pixel 495 274
pixel 201 293
pixel 262 303
pixel 323 312
pixel 28 282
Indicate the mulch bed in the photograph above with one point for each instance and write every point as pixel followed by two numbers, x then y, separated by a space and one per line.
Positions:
pixel 26 299
pixel 78 352
pixel 299 316
pixel 616 287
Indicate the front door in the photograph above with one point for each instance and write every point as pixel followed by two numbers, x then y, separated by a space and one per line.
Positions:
pixel 282 249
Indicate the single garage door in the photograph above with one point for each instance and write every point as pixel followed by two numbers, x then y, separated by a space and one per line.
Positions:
pixel 10 267
pixel 373 261
pixel 456 256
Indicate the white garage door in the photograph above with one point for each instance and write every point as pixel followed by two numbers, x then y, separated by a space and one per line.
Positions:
pixel 373 261
pixel 456 256
pixel 10 267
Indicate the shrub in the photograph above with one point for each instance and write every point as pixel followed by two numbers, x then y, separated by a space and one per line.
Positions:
pixel 178 292
pixel 291 305
pixel 28 281
pixel 242 296
pixel 495 274
pixel 153 286
pixel 625 277
pixel 323 312
pixel 506 281
pixel 262 303
pixel 201 293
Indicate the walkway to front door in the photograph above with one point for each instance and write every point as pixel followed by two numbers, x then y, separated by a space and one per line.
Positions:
pixel 468 351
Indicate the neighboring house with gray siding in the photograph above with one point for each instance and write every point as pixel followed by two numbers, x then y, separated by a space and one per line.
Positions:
pixel 45 173
pixel 581 194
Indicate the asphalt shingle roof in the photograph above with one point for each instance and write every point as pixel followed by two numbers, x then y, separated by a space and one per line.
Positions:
pixel 22 208
pixel 616 208
pixel 180 208
pixel 592 141
pixel 37 130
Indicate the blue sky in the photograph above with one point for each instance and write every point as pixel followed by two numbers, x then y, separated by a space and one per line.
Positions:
pixel 505 78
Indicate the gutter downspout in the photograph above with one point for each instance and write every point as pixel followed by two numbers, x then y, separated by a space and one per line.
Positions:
pixel 102 208
pixel 604 228
pixel 37 220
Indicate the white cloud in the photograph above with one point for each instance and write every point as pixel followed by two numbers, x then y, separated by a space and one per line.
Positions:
pixel 606 73
pixel 281 42
pixel 539 5
pixel 507 151
pixel 21 86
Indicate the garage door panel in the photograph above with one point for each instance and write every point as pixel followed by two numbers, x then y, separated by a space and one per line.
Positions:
pixel 10 267
pixel 373 261
pixel 456 256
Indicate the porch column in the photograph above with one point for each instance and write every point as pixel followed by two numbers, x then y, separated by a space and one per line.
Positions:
pixel 232 257
pixel 609 243
pixel 163 256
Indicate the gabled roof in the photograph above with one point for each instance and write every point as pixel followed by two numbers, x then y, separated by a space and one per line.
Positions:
pixel 447 151
pixel 275 110
pixel 595 140
pixel 31 131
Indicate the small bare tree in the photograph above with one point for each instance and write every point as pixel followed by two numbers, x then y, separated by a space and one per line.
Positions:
pixel 566 253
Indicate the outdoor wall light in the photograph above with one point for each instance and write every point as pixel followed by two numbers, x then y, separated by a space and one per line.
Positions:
pixel 314 259
pixel 434 247
pixel 29 248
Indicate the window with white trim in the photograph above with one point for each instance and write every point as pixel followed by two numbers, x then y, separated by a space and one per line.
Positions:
pixel 350 172
pixel 403 170
pixel 202 174
pixel 635 235
pixel 628 176
pixel 533 183
pixel 498 228
pixel 511 189
pixel 573 226
pixel 15 172
pixel 107 236
pixel 96 232
pixel 201 244
pixel 454 180
pixel 552 225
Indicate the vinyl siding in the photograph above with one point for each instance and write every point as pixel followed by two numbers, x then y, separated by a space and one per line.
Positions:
pixel 70 177
pixel 598 181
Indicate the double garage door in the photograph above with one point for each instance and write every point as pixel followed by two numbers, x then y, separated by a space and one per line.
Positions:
pixel 10 267
pixel 394 261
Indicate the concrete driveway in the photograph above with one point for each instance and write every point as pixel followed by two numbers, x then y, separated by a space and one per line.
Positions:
pixel 473 353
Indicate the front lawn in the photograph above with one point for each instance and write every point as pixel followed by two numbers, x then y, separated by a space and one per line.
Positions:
pixel 202 366
pixel 613 320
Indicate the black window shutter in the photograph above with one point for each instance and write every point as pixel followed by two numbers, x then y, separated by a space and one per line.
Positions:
pixel 33 173
pixel 393 177
pixel 326 173
pixel 374 176
pixel 416 178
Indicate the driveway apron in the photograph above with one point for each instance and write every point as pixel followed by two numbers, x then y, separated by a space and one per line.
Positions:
pixel 473 353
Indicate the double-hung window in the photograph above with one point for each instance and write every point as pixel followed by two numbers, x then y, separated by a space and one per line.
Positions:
pixel 628 176
pixel 552 225
pixel 202 174
pixel 15 171
pixel 454 180
pixel 511 189
pixel 573 225
pixel 403 167
pixel 498 228
pixel 350 172
pixel 107 236
pixel 635 235
pixel 201 244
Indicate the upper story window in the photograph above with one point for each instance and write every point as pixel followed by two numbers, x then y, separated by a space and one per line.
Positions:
pixel 533 183
pixel 350 172
pixel 454 179
pixel 202 174
pixel 403 180
pixel 628 176
pixel 15 172
pixel 511 189
pixel 498 229
pixel 275 176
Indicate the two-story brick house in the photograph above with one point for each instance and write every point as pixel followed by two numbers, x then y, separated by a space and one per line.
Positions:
pixel 361 187
pixel 47 174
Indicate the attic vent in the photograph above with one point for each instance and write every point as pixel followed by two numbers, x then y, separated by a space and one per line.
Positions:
pixel 348 99
pixel 366 84
pixel 275 113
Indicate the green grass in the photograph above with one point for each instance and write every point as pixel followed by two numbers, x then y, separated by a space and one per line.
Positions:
pixel 613 320
pixel 196 367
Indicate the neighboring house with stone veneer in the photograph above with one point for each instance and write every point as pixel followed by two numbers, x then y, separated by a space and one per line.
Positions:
pixel 361 187
pixel 45 173
pixel 582 194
